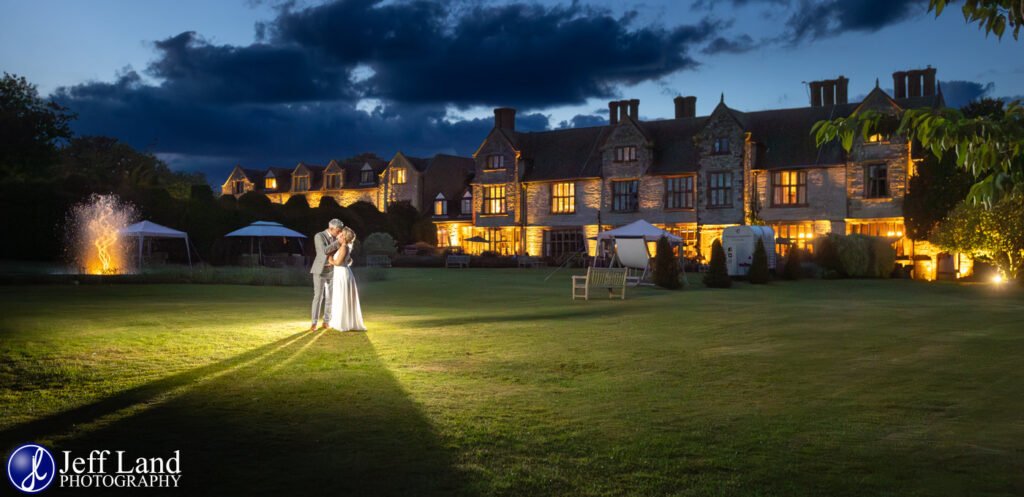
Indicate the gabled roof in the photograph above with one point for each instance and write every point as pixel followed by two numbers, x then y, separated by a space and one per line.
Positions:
pixel 448 175
pixel 563 154
pixel 283 176
pixel 352 170
pixel 675 150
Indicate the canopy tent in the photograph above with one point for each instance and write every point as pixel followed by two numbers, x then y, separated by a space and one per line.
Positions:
pixel 265 229
pixel 639 229
pixel 631 245
pixel 149 229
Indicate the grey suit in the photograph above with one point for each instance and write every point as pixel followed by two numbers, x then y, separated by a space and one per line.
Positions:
pixel 322 272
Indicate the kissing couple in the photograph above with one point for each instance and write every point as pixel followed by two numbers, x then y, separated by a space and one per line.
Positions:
pixel 334 285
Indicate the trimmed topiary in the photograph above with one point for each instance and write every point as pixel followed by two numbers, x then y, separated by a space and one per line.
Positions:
pixel 792 270
pixel 855 255
pixel 758 274
pixel 717 275
pixel 666 266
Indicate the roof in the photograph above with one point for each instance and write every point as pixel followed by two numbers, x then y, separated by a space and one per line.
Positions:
pixel 675 150
pixel 353 168
pixel 150 229
pixel 563 153
pixel 448 175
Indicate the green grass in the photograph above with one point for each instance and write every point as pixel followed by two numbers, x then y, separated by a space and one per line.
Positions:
pixel 492 382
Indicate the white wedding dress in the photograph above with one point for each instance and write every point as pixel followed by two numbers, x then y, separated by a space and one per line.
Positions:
pixel 345 312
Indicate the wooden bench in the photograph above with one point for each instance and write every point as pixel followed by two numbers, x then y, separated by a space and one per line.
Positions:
pixel 378 261
pixel 461 261
pixel 611 278
pixel 528 261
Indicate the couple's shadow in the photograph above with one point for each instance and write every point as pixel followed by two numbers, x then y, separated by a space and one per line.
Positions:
pixel 314 414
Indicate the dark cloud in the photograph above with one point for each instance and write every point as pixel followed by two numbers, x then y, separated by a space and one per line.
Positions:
pixel 814 19
pixel 584 121
pixel 960 93
pixel 741 44
pixel 520 54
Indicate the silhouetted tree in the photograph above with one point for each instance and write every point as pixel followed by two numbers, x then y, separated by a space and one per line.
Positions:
pixel 718 274
pixel 666 266
pixel 759 274
pixel 31 130
pixel 792 271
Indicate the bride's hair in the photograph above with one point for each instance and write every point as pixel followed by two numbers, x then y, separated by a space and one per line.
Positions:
pixel 349 233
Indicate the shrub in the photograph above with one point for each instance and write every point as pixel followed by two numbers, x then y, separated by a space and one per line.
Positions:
pixel 666 266
pixel 855 255
pixel 883 258
pixel 792 270
pixel 758 274
pixel 827 250
pixel 717 275
pixel 379 244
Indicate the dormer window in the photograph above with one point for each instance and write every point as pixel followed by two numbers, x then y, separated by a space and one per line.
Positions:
pixel 301 183
pixel 720 145
pixel 398 176
pixel 238 186
pixel 625 154
pixel 270 183
pixel 366 175
pixel 332 181
pixel 467 202
pixel 495 161
pixel 440 205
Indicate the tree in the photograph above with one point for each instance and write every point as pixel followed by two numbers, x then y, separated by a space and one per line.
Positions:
pixel 792 271
pixel 995 234
pixel 31 131
pixel 717 275
pixel 932 193
pixel 666 266
pixel 993 16
pixel 759 274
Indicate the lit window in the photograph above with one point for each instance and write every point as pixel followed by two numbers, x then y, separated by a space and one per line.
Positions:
pixel 494 199
pixel 563 198
pixel 398 176
pixel 301 183
pixel 624 196
pixel 467 203
pixel 559 243
pixel 720 190
pixel 270 183
pixel 799 235
pixel 720 146
pixel 440 205
pixel 877 181
pixel 878 138
pixel 625 154
pixel 333 181
pixel 884 229
pixel 789 188
pixel 366 175
pixel 689 235
pixel 495 161
pixel 679 192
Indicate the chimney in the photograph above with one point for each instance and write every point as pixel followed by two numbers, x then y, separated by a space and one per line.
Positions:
pixel 623 109
pixel 505 118
pixel 680 107
pixel 685 107
pixel 613 113
pixel 829 92
pixel 914 83
pixel 634 109
pixel 929 81
pixel 815 93
pixel 841 90
pixel 899 84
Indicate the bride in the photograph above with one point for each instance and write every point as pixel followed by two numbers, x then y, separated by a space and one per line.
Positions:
pixel 345 312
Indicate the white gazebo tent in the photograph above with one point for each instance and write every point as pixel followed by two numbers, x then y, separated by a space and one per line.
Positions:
pixel 148 229
pixel 631 245
pixel 266 229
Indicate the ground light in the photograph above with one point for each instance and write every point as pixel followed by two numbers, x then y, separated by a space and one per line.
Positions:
pixel 997 279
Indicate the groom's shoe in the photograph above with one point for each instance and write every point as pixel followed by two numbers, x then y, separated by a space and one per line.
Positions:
pixel 323 326
pixel 312 327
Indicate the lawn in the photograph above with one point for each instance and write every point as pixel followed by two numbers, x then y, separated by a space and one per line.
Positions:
pixel 492 382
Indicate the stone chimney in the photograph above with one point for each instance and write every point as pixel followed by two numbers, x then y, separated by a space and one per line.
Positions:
pixel 899 84
pixel 634 109
pixel 815 93
pixel 929 81
pixel 829 92
pixel 505 118
pixel 685 107
pixel 914 83
pixel 613 113
pixel 842 94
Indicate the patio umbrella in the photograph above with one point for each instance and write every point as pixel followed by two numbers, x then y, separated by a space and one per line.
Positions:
pixel 266 229
pixel 477 239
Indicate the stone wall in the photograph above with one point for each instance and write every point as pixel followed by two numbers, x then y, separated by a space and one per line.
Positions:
pixel 721 124
pixel 826 197
pixel 897 157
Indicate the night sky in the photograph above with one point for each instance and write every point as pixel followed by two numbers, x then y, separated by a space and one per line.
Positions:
pixel 206 85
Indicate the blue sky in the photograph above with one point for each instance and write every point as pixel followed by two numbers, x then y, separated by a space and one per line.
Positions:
pixel 206 85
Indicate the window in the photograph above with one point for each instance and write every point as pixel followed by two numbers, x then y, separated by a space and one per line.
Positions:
pixel 366 175
pixel 720 190
pixel 689 235
pixel 679 192
pixel 883 229
pixel 563 198
pixel 625 154
pixel 624 196
pixel 440 205
pixel 332 181
pixel 799 235
pixel 494 199
pixel 398 176
pixel 789 188
pixel 878 138
pixel 467 203
pixel 301 183
pixel 238 187
pixel 877 183
pixel 563 242
pixel 720 145
pixel 442 237
pixel 270 183
pixel 495 161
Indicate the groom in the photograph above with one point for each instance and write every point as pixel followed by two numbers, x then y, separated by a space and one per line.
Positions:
pixel 326 245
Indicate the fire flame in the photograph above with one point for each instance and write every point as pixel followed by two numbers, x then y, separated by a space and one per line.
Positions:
pixel 99 248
